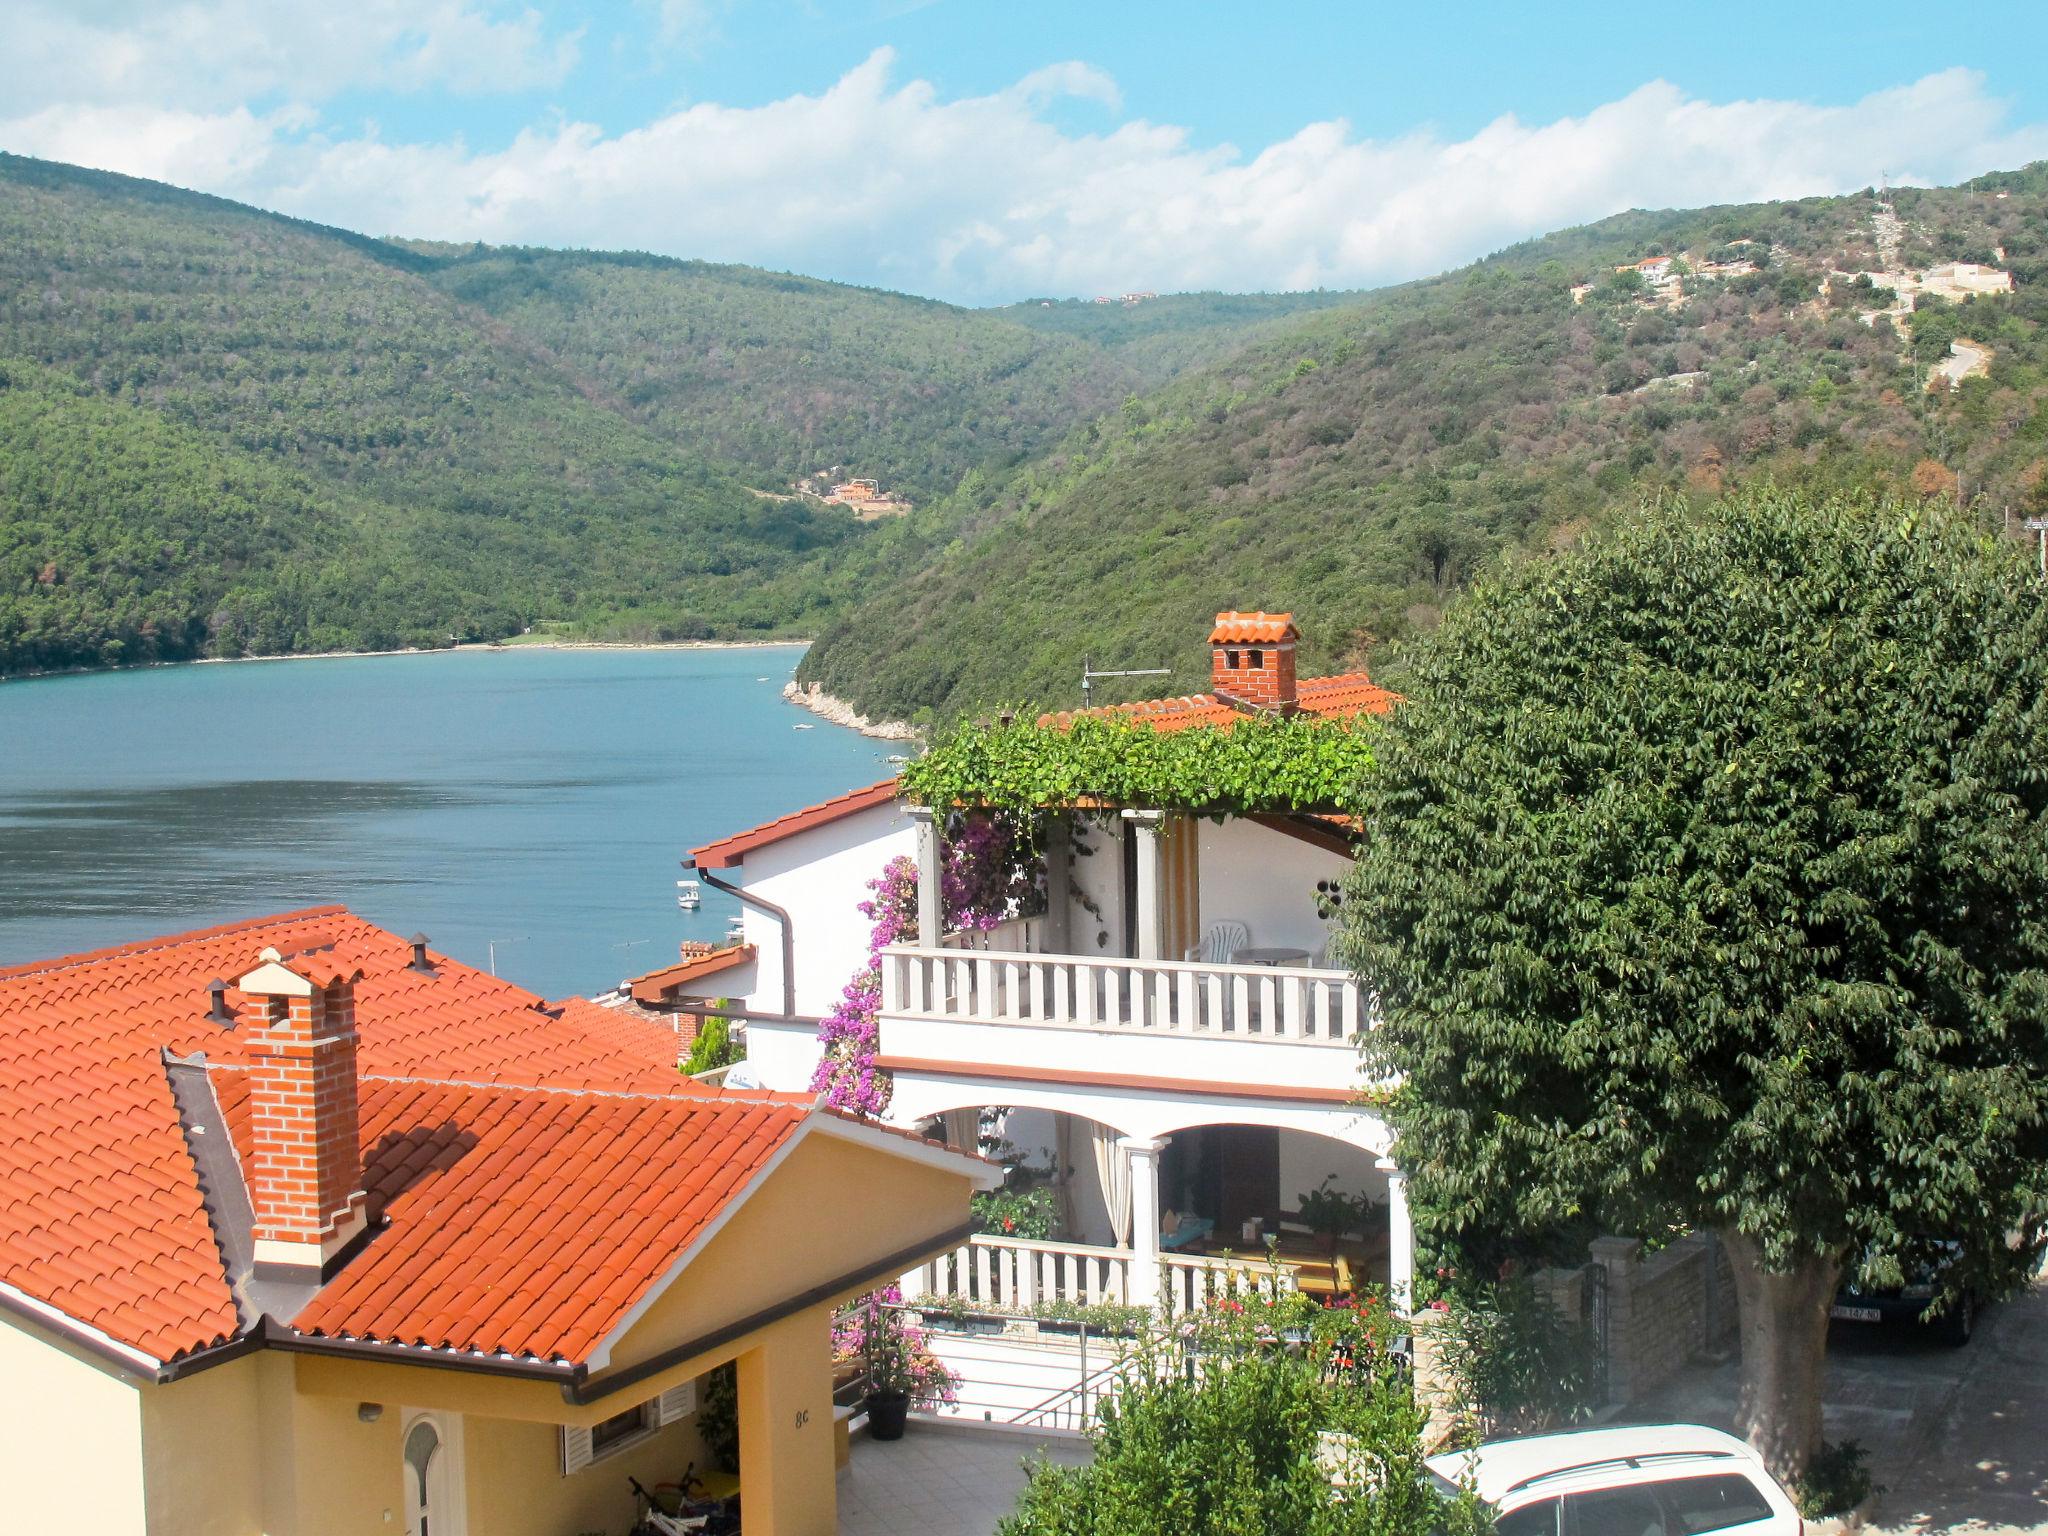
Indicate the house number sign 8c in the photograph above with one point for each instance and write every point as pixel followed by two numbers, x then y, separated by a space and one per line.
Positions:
pixel 803 1417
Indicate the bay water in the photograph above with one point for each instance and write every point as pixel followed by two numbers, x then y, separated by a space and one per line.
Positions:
pixel 523 807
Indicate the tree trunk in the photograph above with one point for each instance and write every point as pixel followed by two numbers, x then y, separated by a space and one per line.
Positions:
pixel 1784 1329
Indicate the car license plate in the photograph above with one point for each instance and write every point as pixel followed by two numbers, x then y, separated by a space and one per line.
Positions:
pixel 1857 1314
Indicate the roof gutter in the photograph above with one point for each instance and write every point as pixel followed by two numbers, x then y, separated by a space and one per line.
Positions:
pixel 747 898
pixel 130 1360
pixel 595 1389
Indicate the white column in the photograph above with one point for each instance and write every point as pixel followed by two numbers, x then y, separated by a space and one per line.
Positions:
pixel 1400 1241
pixel 1151 883
pixel 931 926
pixel 1144 1154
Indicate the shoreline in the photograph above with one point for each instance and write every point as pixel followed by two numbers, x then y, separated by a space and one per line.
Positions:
pixel 414 650
pixel 839 712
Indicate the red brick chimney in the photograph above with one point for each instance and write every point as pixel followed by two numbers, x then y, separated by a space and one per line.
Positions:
pixel 1251 660
pixel 304 1166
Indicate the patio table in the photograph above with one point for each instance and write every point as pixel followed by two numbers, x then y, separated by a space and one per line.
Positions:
pixel 1269 954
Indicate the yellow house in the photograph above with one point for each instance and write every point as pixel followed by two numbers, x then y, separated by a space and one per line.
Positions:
pixel 363 1240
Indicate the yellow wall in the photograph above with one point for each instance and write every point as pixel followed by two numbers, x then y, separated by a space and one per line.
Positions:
pixel 832 1207
pixel 202 1452
pixel 516 1484
pixel 73 1432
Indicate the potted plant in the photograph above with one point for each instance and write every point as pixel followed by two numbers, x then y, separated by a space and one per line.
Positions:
pixel 1332 1214
pixel 901 1370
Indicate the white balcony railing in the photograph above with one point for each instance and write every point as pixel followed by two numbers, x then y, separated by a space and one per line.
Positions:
pixel 1185 998
pixel 1016 1274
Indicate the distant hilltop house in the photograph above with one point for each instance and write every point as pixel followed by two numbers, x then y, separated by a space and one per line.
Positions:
pixel 1955 281
pixel 1123 298
pixel 868 499
pixel 1655 269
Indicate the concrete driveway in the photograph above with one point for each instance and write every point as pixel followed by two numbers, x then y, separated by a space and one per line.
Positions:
pixel 1958 1438
pixel 1975 1458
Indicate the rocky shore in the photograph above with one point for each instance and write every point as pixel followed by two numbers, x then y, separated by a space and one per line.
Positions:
pixel 839 712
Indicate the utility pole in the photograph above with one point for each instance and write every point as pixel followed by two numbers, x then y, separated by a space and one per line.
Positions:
pixel 2038 527
pixel 1089 674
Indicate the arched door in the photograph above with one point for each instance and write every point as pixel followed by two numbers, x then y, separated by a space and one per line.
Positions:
pixel 433 1479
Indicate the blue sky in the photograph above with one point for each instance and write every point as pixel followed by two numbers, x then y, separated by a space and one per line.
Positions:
pixel 983 152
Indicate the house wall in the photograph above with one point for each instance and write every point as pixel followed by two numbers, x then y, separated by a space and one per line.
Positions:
pixel 516 1484
pixel 819 877
pixel 1098 882
pixel 203 1451
pixel 1265 880
pixel 73 1431
pixel 1306 1160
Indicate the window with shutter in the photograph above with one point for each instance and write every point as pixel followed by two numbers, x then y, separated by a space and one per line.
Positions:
pixel 676 1403
pixel 576 1453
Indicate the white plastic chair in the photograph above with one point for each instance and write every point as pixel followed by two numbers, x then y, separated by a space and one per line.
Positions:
pixel 1223 940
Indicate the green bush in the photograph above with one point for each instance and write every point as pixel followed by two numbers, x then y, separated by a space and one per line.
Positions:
pixel 1515 1364
pixel 1015 1212
pixel 1837 1480
pixel 1248 1444
pixel 713 1048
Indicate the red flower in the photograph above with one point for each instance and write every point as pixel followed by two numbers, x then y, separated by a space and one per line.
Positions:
pixel 1009 1225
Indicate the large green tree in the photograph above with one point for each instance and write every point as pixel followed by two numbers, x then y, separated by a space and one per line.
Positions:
pixel 1705 880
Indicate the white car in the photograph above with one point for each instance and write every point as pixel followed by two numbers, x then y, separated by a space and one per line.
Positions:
pixel 1641 1480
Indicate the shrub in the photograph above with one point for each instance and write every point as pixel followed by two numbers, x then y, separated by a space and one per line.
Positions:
pixel 1514 1363
pixel 1206 1439
pixel 1837 1480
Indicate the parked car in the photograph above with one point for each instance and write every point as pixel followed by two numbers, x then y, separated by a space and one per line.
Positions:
pixel 1857 1303
pixel 1642 1480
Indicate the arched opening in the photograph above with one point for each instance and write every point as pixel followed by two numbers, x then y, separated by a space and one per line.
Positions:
pixel 1068 1177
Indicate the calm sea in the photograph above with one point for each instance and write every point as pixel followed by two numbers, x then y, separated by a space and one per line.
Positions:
pixel 527 803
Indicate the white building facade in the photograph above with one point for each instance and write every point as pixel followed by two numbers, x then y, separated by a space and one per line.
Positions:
pixel 1167 1044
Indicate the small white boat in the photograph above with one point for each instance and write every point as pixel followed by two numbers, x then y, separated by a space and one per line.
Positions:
pixel 688 896
pixel 736 929
pixel 801 727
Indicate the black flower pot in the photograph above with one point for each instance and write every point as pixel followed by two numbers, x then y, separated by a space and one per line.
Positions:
pixel 888 1412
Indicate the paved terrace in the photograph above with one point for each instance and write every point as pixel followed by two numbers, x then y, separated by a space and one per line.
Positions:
pixel 939 1481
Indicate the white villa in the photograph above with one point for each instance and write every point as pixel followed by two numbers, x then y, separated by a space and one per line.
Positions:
pixel 1168 1040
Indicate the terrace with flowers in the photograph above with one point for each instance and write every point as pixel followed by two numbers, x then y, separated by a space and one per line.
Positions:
pixel 1098 946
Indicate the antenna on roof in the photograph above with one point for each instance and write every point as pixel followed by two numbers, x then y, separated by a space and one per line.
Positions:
pixel 1089 674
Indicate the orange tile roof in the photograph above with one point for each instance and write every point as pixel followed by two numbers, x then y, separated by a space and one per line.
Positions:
pixel 1253 629
pixel 729 851
pixel 526 1221
pixel 1346 693
pixel 100 1209
pixel 655 985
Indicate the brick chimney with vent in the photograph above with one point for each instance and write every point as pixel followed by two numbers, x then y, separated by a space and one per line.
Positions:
pixel 304 1165
pixel 1251 661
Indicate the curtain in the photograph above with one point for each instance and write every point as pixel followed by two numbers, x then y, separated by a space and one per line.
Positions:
pixel 1113 1167
pixel 963 1129
pixel 1063 1170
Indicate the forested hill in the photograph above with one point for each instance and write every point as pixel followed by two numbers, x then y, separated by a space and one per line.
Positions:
pixel 777 377
pixel 156 344
pixel 454 441
pixel 1361 463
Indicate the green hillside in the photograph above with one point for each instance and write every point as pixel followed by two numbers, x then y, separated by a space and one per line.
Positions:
pixel 776 377
pixel 266 346
pixel 1161 337
pixel 507 436
pixel 1359 465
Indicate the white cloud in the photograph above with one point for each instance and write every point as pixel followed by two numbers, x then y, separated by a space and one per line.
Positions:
pixel 984 198
pixel 217 55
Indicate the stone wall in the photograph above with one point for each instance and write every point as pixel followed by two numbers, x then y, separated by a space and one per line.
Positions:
pixel 1664 1310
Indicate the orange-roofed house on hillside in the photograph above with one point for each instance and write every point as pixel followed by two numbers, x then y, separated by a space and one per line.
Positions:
pixel 307 1230
pixel 1160 1021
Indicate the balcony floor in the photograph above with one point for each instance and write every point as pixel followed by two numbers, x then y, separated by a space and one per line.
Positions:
pixel 941 1481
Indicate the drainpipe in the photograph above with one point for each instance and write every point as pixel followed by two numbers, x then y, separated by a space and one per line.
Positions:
pixel 747 898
